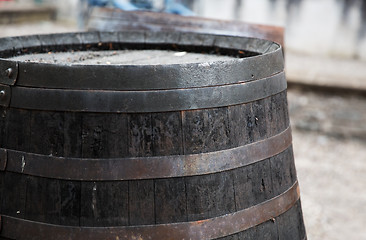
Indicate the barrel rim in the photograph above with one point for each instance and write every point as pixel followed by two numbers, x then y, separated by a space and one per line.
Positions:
pixel 139 77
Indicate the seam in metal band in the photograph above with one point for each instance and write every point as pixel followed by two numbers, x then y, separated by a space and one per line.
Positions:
pixel 146 167
pixel 197 230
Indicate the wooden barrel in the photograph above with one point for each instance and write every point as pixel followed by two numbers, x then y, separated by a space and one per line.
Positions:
pixel 197 149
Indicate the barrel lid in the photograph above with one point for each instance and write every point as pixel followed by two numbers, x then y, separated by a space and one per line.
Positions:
pixel 254 59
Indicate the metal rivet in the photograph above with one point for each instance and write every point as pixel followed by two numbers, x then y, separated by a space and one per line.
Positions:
pixel 9 72
pixel 2 93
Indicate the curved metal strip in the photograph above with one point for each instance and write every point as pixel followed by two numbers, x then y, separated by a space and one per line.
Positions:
pixel 146 77
pixel 212 228
pixel 149 77
pixel 146 167
pixel 146 101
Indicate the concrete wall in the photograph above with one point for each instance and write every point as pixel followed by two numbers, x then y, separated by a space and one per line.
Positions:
pixel 335 28
pixel 67 10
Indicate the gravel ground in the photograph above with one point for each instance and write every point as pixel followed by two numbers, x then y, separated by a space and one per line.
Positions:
pixel 340 116
pixel 331 163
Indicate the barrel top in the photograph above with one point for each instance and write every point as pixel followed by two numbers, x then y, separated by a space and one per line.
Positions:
pixel 199 60
pixel 121 57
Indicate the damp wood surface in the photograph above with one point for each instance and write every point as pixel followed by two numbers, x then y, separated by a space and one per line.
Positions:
pixel 145 201
pixel 139 202
pixel 113 135
pixel 122 57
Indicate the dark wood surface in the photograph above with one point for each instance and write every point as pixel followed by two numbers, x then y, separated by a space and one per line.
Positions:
pixel 145 201
pixel 100 135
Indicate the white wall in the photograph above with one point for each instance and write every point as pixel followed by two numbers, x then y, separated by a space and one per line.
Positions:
pixel 66 9
pixel 318 27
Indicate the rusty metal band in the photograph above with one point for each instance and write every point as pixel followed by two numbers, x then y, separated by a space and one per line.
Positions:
pixel 149 77
pixel 133 77
pixel 146 167
pixel 212 228
pixel 146 101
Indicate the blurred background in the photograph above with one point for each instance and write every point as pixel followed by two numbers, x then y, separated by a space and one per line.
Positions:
pixel 325 51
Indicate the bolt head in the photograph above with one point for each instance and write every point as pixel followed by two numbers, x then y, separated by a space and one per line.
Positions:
pixel 9 72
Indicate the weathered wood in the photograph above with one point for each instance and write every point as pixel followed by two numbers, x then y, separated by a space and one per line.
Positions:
pixel 155 201
pixel 104 19
pixel 282 171
pixel 53 201
pixel 43 200
pixel 260 120
pixel 250 123
pixel 17 132
pixel 196 230
pixel 238 122
pixel 110 131
pixel 140 135
pixel 266 230
pixel 301 223
pixel 141 202
pixel 278 113
pixel 47 133
pixel 104 204
pixel 290 224
pixel 3 238
pixel 67 42
pixel 253 184
pixel 206 130
pixel 88 197
pixel 170 200
pixel 231 237
pixel 14 199
pixel 70 203
pixel 209 195
pixel 47 42
pixel 3 113
pixel 167 134
pixel 2 190
pixel 104 135
pixel 72 135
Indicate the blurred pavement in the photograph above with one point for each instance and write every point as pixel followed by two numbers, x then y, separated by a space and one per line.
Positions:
pixel 329 137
